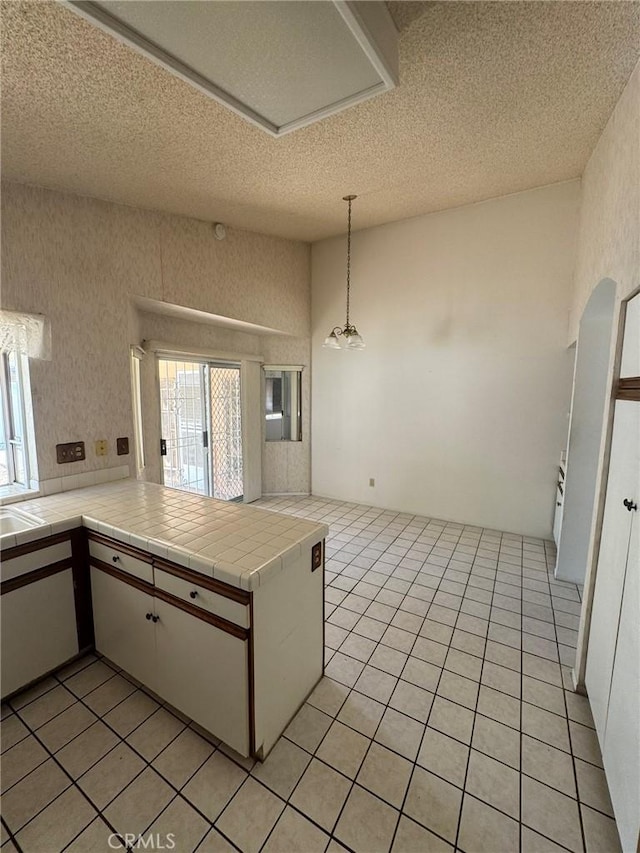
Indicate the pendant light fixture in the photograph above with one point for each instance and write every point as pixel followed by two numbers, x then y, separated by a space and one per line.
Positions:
pixel 349 333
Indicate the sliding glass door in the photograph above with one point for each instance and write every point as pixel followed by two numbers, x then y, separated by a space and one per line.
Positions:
pixel 201 427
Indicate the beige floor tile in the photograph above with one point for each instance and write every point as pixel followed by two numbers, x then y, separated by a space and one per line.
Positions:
pixel 451 719
pixel 551 814
pixel 140 803
pixel 543 695
pixel 245 761
pixel 214 784
pixel 334 635
pixel 27 696
pixel 376 684
pixel 47 706
pixel 93 839
pixel 21 759
pixel 358 647
pixel 110 775
pixel 497 740
pixel 370 628
pixel 12 731
pixel 600 833
pixel 437 631
pixel 104 698
pixel 421 673
pixel 485 830
pixel 87 748
pixel 494 783
pixel 180 825
pixel 32 794
pixel 584 743
pixel 498 706
pixel 413 838
pixel 578 708
pixel 434 803
pixel 76 666
pixel 549 765
pixel 544 670
pixel 385 774
pixel 89 678
pixel 502 679
pixel 150 738
pixel 407 621
pixel 128 715
pixel 592 787
pixel 532 842
pixel 250 816
pixel 58 824
pixel 343 749
pixel 180 760
pixel 214 842
pixel 366 824
pixel 545 726
pixel 308 727
pixel 328 696
pixel 282 768
pixel 400 733
pixel 399 639
pixel 61 729
pixel 443 756
pixel 503 655
pixel 361 713
pixel 388 660
pixel 463 663
pixel 344 669
pixel 320 794
pixel 458 689
pixel 429 650
pixel 294 833
pixel 412 700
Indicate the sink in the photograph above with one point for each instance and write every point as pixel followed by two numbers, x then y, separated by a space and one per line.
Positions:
pixel 14 520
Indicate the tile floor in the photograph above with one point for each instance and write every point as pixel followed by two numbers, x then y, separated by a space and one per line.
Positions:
pixel 442 722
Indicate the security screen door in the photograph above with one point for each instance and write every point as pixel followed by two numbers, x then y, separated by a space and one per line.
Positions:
pixel 201 424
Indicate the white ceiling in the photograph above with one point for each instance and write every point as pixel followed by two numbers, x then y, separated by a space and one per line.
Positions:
pixel 493 98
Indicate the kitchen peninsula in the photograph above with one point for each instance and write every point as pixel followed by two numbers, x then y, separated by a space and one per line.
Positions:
pixel 216 607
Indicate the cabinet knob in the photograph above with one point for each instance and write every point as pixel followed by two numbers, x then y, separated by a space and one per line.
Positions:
pixel 115 558
pixel 149 616
pixel 630 504
pixel 558 503
pixel 156 618
pixel 193 593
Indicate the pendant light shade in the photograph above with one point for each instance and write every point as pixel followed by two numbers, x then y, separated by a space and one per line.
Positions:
pixel 349 334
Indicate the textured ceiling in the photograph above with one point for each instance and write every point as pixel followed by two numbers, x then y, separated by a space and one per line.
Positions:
pixel 494 98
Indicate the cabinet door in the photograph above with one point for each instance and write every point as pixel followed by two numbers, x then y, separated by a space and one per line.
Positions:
pixel 204 672
pixel 38 629
pixel 123 632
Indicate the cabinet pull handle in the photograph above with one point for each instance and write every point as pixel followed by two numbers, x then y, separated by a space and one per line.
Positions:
pixel 156 618
pixel 149 616
pixel 193 593
pixel 115 558
pixel 630 505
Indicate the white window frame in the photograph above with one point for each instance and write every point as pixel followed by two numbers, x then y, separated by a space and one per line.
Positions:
pixel 24 444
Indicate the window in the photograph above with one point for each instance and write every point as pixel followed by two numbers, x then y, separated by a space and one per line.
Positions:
pixel 283 394
pixel 137 354
pixel 17 462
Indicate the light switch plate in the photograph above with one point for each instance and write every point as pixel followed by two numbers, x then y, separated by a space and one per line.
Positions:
pixel 71 452
pixel 101 447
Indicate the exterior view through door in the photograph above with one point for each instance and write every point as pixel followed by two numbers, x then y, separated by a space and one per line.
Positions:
pixel 201 427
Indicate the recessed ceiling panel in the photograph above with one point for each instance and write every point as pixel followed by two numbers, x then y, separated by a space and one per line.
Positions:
pixel 280 64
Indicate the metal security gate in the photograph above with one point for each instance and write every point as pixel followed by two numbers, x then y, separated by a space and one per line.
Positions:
pixel 201 427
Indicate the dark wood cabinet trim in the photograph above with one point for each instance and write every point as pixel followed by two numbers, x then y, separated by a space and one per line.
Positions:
pixel 223 589
pixel 132 580
pixel 203 615
pixel 34 576
pixel 120 546
pixel 36 545
pixel 252 688
pixel 628 389
pixel 82 588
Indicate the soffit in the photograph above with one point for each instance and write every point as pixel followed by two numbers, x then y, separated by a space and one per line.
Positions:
pixel 494 98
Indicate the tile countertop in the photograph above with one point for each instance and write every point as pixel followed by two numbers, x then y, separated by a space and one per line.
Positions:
pixel 233 543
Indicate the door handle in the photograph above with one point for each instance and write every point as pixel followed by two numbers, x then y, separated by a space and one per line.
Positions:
pixel 630 505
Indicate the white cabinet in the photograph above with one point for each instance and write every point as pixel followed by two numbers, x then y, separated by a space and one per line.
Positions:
pixel 123 633
pixel 204 673
pixel 38 629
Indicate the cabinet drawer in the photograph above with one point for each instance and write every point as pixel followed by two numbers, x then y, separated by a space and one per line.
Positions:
pixel 121 560
pixel 36 559
pixel 206 599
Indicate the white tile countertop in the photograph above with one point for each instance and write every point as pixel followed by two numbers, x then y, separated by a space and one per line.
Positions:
pixel 233 543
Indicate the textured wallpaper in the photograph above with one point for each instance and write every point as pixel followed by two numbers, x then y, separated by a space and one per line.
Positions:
pixel 79 261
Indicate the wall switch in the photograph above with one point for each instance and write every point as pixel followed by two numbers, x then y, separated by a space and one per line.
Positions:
pixel 71 452
pixel 372 481
pixel 101 447
pixel 122 446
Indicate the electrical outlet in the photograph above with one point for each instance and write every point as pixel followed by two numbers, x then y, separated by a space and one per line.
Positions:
pixel 71 452
pixel 122 446
pixel 101 447
pixel 372 481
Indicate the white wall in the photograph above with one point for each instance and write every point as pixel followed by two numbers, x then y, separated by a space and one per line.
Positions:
pixel 458 405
